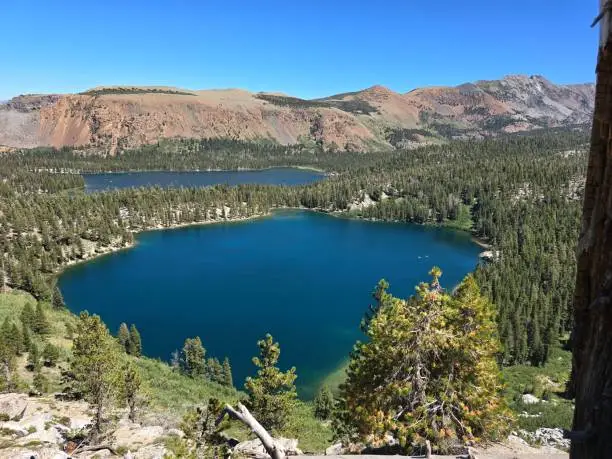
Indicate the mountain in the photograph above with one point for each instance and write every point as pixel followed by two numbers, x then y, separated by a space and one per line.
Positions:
pixel 109 119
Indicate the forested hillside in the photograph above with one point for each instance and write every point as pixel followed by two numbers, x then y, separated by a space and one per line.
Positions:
pixel 520 194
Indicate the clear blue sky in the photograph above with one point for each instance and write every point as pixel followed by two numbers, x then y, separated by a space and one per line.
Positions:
pixel 305 48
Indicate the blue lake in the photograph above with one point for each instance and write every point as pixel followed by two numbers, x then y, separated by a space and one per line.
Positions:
pixel 165 179
pixel 304 277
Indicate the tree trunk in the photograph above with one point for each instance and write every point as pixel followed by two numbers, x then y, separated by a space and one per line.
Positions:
pixel 243 415
pixel 591 381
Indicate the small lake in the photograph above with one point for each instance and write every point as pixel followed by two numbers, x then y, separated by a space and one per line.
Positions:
pixel 304 277
pixel 275 176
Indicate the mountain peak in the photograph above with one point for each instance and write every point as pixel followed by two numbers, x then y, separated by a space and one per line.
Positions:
pixel 371 118
pixel 378 89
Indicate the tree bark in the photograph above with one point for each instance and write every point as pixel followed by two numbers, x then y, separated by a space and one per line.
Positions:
pixel 243 415
pixel 591 381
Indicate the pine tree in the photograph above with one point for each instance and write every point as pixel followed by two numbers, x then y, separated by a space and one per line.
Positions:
pixel 28 316
pixel 228 380
pixel 57 300
pixel 25 333
pixel 202 427
pixel 69 330
pixel 94 363
pixel 134 343
pixel 33 357
pixel 10 334
pixel 8 373
pixel 40 381
pixel 272 393
pixel 40 322
pixel 214 370
pixel 192 357
pixel 130 388
pixel 50 355
pixel 123 336
pixel 324 403
pixel 428 371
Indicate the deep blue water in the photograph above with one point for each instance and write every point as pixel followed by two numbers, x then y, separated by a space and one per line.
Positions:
pixel 302 276
pixel 164 179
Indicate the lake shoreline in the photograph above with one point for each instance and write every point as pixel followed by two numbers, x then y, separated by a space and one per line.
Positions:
pixel 106 250
pixel 133 171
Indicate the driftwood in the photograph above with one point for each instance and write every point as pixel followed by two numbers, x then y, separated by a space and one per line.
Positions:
pixel 244 416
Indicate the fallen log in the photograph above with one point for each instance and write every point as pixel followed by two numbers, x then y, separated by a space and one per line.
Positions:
pixel 244 416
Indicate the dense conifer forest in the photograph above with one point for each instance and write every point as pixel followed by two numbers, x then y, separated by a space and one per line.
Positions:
pixel 519 194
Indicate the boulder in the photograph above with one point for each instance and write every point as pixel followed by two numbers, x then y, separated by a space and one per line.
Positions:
pixel 529 399
pixel 129 433
pixel 551 437
pixel 43 453
pixel 176 432
pixel 14 428
pixel 13 405
pixel 155 451
pixel 254 448
pixel 335 450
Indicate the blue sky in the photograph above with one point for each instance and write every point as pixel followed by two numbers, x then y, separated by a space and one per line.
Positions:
pixel 308 48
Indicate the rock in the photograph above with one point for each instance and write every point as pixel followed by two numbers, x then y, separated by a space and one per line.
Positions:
pixel 96 454
pixel 365 202
pixel 515 439
pixel 13 405
pixel 335 450
pixel 151 452
pixel 529 399
pixel 14 428
pixel 551 437
pixel 43 428
pixel 43 453
pixel 546 437
pixel 176 432
pixel 134 434
pixel 390 440
pixel 254 448
pixel 489 255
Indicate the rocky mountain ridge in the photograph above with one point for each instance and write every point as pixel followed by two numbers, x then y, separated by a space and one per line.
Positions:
pixel 110 119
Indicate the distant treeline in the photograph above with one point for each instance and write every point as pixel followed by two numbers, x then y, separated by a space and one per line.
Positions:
pixel 126 91
pixel 522 194
pixel 186 155
pixel 351 105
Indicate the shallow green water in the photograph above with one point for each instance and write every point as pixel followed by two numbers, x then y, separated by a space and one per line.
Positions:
pixel 302 276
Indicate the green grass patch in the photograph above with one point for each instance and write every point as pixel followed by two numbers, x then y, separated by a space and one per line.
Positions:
pixel 173 392
pixel 313 435
pixel 547 383
pixel 552 377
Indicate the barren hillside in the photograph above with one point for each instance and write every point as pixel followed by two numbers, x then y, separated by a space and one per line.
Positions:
pixel 110 119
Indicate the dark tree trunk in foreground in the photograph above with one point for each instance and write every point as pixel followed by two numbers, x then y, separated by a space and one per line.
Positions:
pixel 591 381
